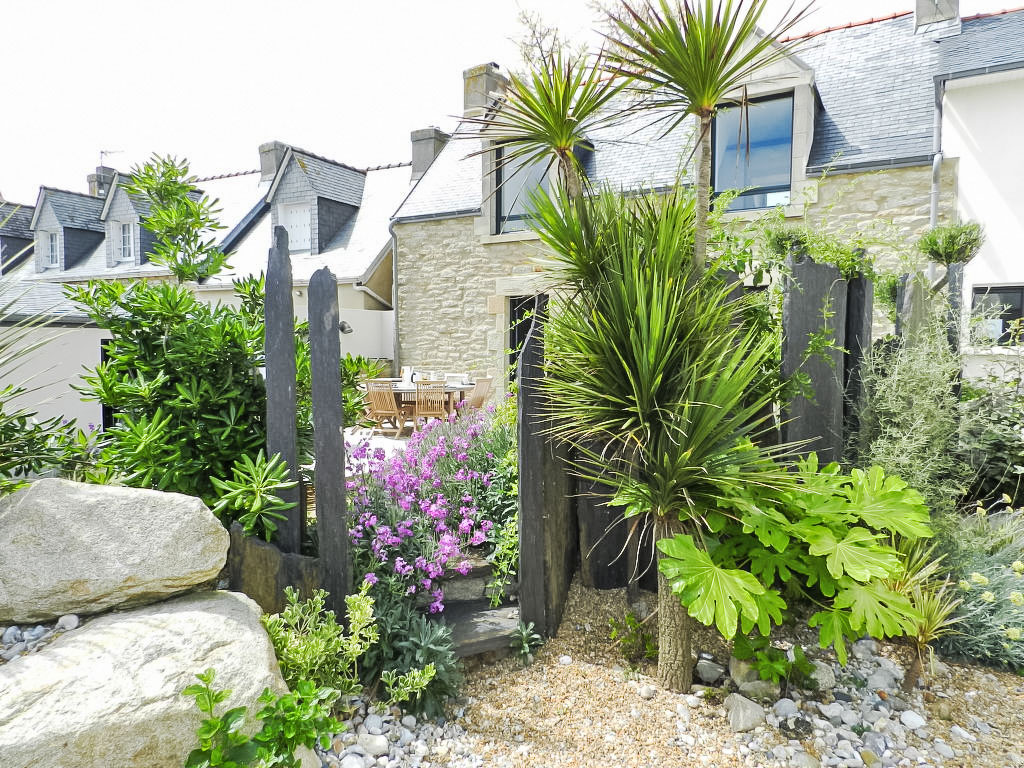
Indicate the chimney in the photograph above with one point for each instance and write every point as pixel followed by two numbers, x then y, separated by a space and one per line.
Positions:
pixel 99 182
pixel 941 17
pixel 479 83
pixel 427 144
pixel 271 155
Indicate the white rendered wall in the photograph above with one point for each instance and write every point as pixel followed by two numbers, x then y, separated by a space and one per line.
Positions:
pixel 982 126
pixel 51 371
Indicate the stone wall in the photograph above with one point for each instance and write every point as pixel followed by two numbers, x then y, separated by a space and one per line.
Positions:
pixel 453 289
pixel 454 281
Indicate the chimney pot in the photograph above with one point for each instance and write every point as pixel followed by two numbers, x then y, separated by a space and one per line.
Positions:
pixel 271 155
pixel 427 144
pixel 479 83
pixel 99 182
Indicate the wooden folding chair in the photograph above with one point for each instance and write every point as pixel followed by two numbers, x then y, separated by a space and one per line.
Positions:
pixel 430 402
pixel 382 407
pixel 478 395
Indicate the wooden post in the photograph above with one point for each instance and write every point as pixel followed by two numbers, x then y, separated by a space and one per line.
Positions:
pixel 547 526
pixel 279 350
pixel 859 319
pixel 816 420
pixel 328 437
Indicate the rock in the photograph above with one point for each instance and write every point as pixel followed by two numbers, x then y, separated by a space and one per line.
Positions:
pixel 11 636
pixel 566 660
pixel 77 548
pixel 823 676
pixel 14 651
pixel 691 700
pixel 944 709
pixel 109 694
pixel 959 733
pixel 881 679
pixel 865 649
pixel 784 708
pixel 374 724
pixel 912 720
pixel 708 671
pixel 351 761
pixel 67 622
pixel 943 749
pixel 741 671
pixel 804 760
pixel 871 760
pixel 874 741
pixel 850 717
pixel 744 714
pixel 374 744
pixel 833 710
pixel 31 635
pixel 409 721
pixel 762 690
pixel 647 692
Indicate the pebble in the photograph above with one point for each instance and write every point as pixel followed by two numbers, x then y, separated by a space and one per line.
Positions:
pixel 647 692
pixel 709 671
pixel 959 733
pixel 912 720
pixel 565 660
pixel 784 708
pixel 943 749
pixel 11 636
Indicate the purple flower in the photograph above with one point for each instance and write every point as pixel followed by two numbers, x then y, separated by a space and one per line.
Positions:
pixel 370 578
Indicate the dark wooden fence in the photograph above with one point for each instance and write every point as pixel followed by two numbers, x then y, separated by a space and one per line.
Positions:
pixel 257 568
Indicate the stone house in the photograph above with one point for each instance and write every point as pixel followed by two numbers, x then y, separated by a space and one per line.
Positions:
pixel 879 128
pixel 336 215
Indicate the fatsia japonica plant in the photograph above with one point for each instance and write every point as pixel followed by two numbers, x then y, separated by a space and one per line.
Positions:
pixel 829 537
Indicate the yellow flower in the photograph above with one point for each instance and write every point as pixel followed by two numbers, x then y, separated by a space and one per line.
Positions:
pixel 1013 633
pixel 1017 598
pixel 1018 567
pixel 977 578
pixel 988 597
pixel 964 585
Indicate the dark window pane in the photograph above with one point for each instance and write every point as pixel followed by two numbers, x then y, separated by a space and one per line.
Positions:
pixel 756 155
pixel 516 182
pixel 1002 305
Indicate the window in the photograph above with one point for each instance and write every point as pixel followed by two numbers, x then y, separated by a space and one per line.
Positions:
pixel 296 218
pixel 126 253
pixel 53 252
pixel 754 152
pixel 515 183
pixel 1002 304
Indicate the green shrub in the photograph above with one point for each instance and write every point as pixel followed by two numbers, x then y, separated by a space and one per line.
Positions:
pixel 250 497
pixel 311 645
pixel 774 664
pixel 635 643
pixel 908 415
pixel 987 560
pixel 524 643
pixel 301 718
pixel 353 371
pixel 952 243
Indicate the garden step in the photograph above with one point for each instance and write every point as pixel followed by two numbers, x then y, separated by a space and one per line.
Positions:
pixel 478 628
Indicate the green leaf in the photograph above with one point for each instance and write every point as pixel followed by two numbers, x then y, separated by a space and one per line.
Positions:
pixel 858 554
pixel 833 630
pixel 711 594
pixel 887 504
pixel 876 609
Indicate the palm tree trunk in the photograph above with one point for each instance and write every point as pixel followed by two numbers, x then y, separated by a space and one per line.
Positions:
pixel 573 186
pixel 675 661
pixel 703 184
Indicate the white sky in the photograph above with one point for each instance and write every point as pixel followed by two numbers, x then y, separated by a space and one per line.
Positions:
pixel 209 80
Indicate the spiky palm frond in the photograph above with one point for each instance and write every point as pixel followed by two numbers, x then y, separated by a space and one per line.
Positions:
pixel 651 376
pixel 690 56
pixel 546 115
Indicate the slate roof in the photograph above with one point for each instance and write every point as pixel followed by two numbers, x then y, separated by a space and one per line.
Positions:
pixel 75 209
pixel 32 299
pixel 633 154
pixel 333 180
pixel 876 81
pixel 16 220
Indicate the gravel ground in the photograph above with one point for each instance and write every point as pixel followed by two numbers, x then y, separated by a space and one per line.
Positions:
pixel 580 705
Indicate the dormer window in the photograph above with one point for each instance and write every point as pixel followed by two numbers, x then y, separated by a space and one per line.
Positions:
pixel 296 218
pixel 127 252
pixel 53 250
pixel 516 180
pixel 753 152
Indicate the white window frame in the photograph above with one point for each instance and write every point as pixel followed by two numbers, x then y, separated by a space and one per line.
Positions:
pixel 53 249
pixel 126 252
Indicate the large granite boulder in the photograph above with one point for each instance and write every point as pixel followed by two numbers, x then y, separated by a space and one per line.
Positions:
pixel 109 694
pixel 77 548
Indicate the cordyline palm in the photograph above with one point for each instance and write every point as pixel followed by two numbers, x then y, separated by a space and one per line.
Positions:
pixel 548 114
pixel 686 58
pixel 651 375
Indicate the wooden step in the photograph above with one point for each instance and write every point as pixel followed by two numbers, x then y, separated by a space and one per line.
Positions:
pixel 477 628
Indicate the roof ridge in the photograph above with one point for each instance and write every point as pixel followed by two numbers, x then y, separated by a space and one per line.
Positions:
pixel 388 165
pixel 847 25
pixel 987 14
pixel 232 175
pixel 306 152
pixel 70 192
